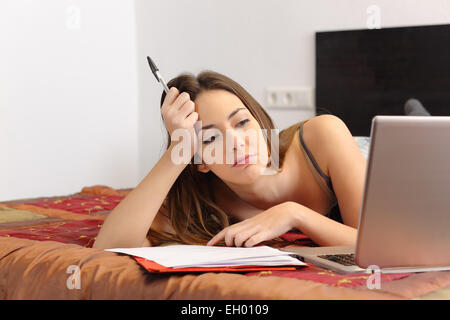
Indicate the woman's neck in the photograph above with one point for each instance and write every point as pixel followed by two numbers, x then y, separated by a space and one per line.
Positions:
pixel 272 189
pixel 265 192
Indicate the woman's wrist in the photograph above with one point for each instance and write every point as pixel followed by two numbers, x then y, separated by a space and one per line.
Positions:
pixel 321 229
pixel 184 145
pixel 178 155
pixel 295 213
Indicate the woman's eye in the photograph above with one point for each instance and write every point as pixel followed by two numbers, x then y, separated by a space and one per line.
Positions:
pixel 209 140
pixel 243 122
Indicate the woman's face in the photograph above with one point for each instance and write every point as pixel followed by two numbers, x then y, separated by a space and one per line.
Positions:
pixel 229 134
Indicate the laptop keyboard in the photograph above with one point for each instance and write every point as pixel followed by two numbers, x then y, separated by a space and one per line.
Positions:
pixel 344 259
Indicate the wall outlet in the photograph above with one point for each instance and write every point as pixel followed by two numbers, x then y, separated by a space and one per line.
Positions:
pixel 290 97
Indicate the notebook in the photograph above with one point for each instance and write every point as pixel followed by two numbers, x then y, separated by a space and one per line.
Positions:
pixel 194 258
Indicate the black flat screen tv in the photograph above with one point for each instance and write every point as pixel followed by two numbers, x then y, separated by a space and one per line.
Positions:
pixel 363 73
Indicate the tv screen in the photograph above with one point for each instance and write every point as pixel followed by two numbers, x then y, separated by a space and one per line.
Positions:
pixel 363 73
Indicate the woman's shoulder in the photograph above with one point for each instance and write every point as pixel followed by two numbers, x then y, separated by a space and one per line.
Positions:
pixel 314 133
pixel 288 135
pixel 319 122
pixel 317 132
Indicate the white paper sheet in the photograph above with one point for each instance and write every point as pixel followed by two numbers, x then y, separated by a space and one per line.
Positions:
pixel 287 261
pixel 177 256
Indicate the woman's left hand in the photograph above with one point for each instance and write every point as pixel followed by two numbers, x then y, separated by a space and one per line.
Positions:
pixel 266 225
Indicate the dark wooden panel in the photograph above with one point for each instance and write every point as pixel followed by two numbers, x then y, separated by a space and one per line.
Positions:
pixel 363 73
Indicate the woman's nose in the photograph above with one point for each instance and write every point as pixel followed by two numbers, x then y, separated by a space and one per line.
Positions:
pixel 238 141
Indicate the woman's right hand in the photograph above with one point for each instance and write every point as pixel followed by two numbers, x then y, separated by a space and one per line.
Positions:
pixel 178 113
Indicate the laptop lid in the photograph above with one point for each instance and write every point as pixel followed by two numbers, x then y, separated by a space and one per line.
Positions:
pixel 405 211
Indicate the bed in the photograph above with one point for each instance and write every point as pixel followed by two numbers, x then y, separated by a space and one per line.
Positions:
pixel 44 240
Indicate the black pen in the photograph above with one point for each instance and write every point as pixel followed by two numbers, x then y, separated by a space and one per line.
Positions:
pixel 156 73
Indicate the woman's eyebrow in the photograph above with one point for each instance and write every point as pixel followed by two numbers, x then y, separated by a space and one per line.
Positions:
pixel 229 117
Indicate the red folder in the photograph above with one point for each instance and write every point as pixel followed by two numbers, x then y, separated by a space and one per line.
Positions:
pixel 154 267
pixel 291 236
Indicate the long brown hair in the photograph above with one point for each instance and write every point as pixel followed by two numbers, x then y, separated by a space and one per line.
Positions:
pixel 190 204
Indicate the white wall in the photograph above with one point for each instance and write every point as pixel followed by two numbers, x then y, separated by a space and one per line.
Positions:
pixel 258 43
pixel 68 96
pixel 78 109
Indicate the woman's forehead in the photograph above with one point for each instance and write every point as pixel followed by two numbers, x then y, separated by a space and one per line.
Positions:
pixel 216 103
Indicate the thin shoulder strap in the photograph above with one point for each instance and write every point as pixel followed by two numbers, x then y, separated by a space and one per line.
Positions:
pixel 313 161
pixel 322 179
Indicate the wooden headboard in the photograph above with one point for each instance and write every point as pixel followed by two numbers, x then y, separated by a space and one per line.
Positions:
pixel 363 73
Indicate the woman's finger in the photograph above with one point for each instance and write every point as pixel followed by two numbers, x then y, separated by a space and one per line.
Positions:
pixel 187 108
pixel 243 236
pixel 255 239
pixel 216 238
pixel 229 237
pixel 180 100
pixel 171 95
pixel 228 234
pixel 245 239
pixel 234 230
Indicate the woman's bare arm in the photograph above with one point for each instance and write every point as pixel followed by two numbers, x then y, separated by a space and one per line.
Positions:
pixel 281 218
pixel 127 225
pixel 323 230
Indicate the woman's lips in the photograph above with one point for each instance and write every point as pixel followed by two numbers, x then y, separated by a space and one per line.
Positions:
pixel 244 161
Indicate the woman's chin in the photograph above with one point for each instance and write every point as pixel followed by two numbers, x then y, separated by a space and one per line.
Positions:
pixel 250 172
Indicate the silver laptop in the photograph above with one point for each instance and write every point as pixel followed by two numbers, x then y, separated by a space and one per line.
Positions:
pixel 404 223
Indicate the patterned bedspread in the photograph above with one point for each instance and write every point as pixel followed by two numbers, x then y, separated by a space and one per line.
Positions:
pixel 77 218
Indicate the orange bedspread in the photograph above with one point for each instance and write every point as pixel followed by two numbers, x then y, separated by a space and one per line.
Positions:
pixel 42 239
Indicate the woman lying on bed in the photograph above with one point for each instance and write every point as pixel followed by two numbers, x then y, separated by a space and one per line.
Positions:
pixel 316 187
